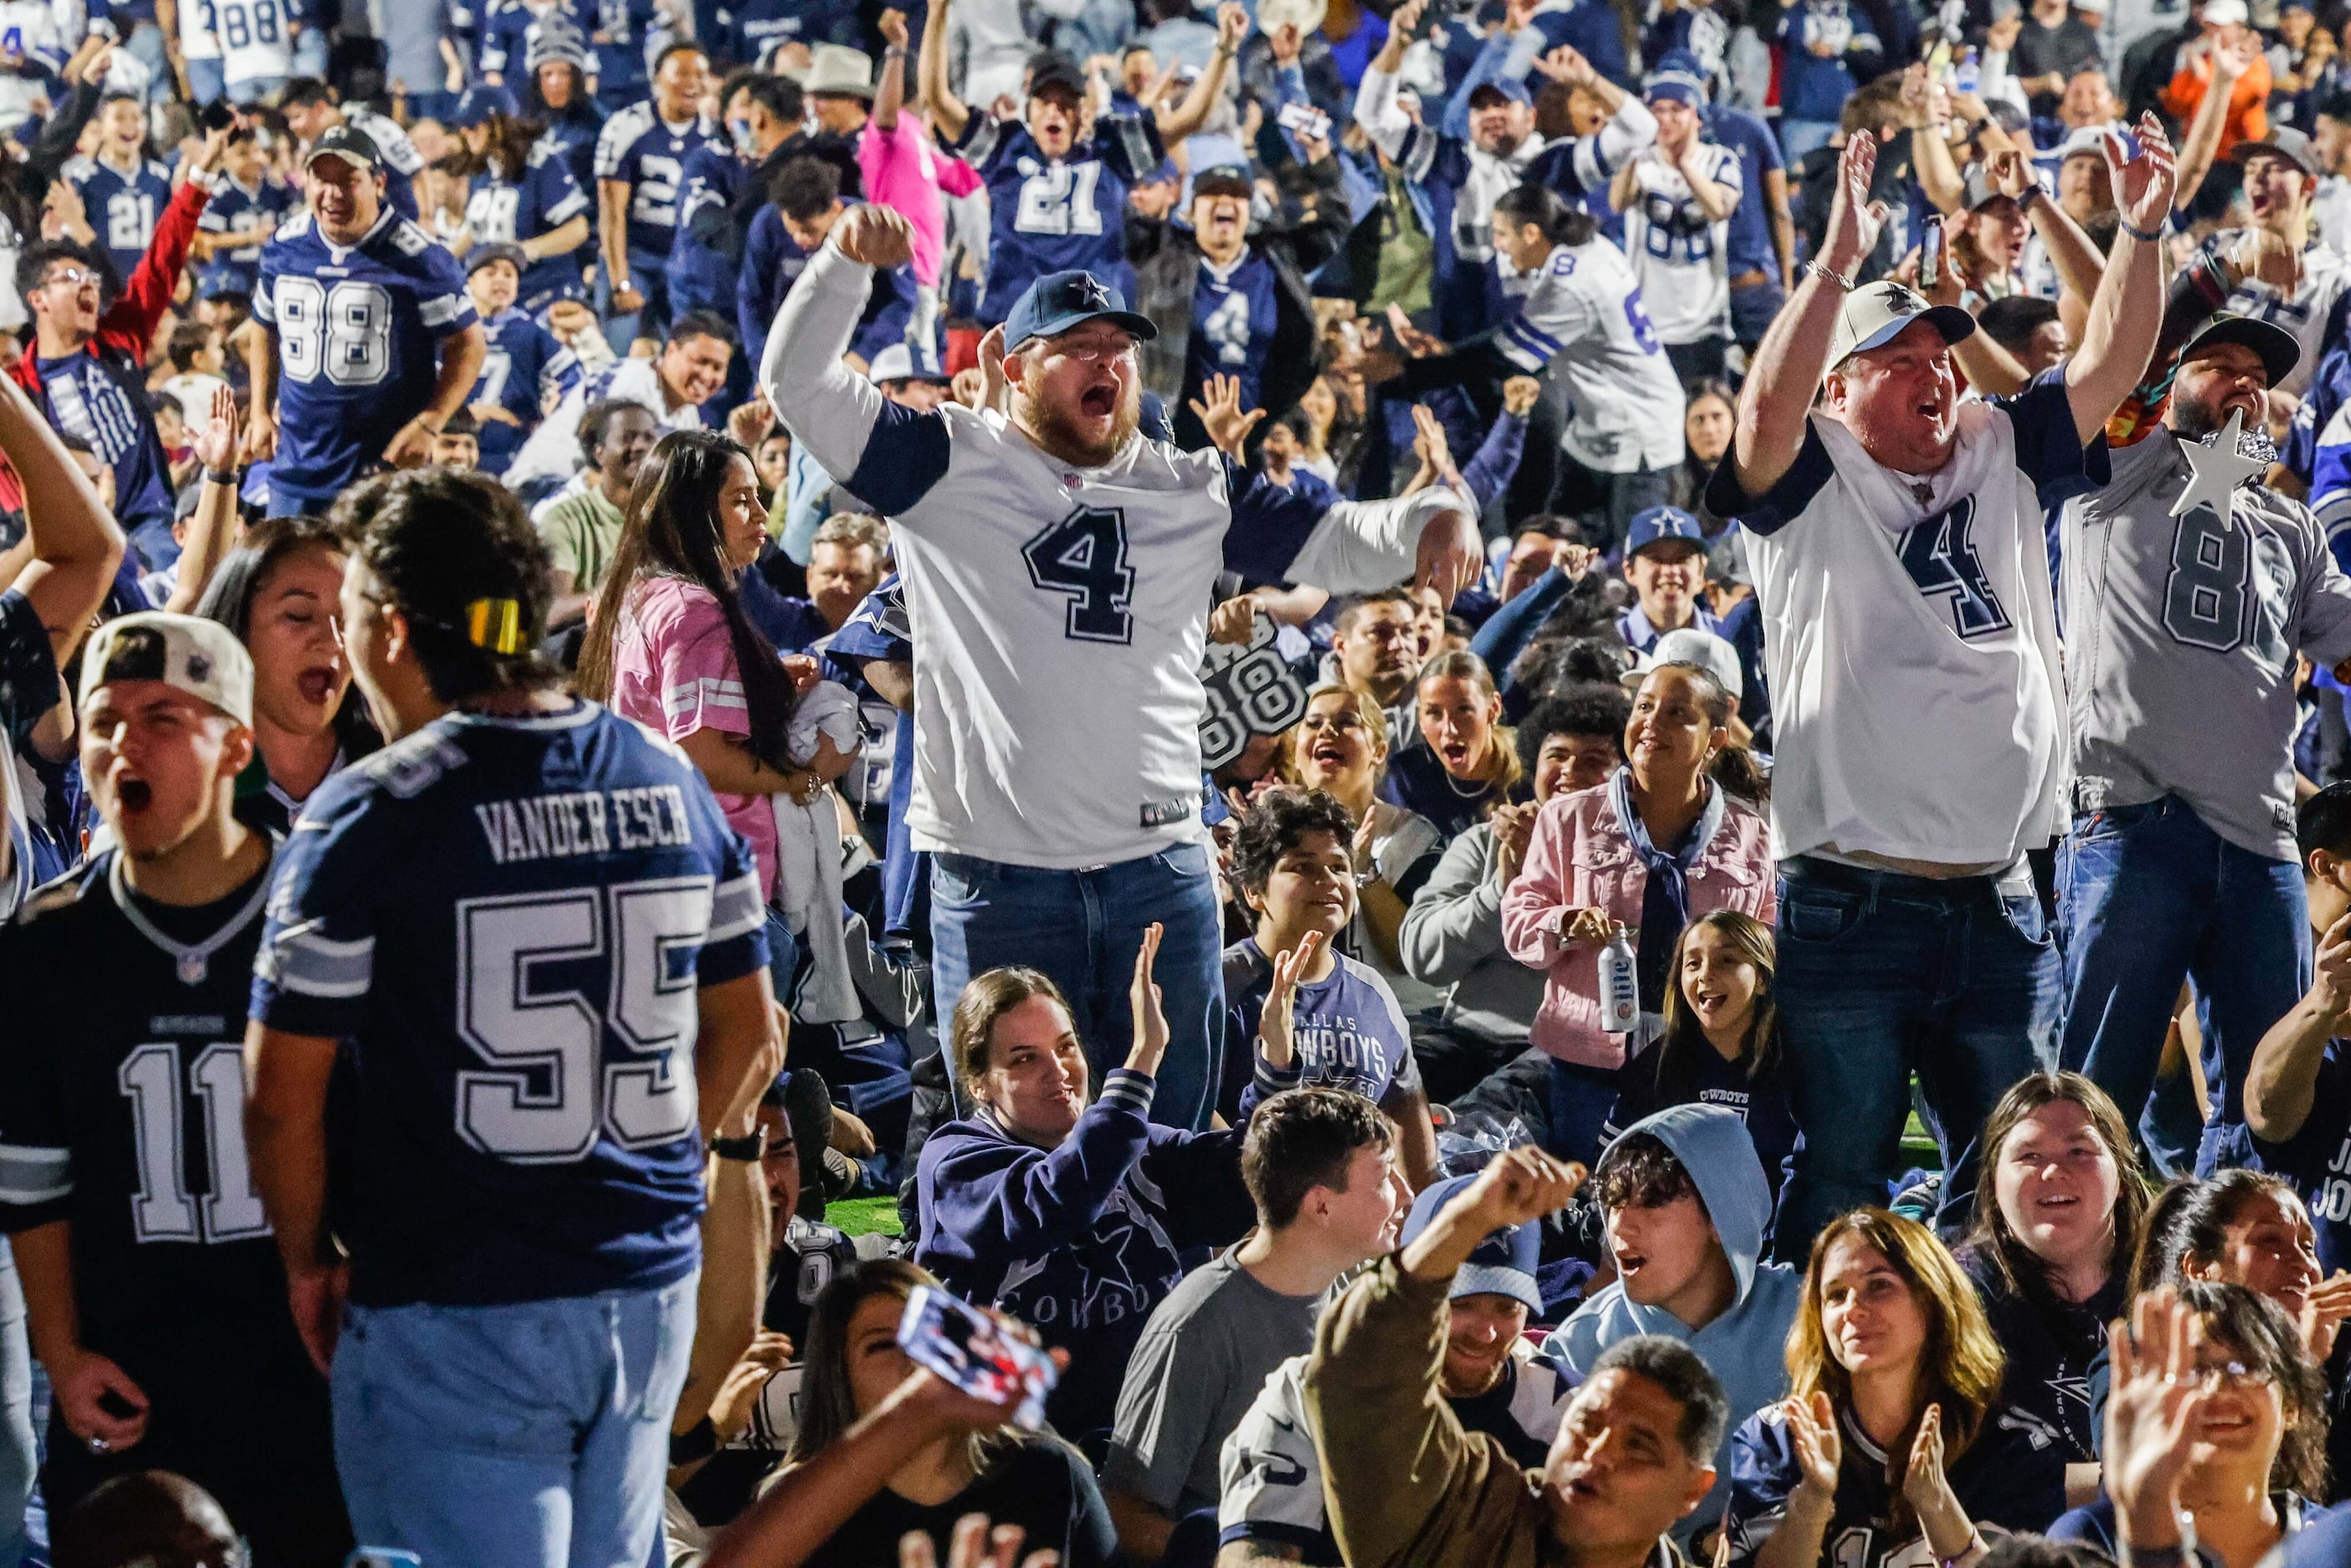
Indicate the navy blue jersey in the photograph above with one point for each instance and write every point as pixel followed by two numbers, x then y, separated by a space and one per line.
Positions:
pixel 1347 1031
pixel 508 27
pixel 773 261
pixel 878 629
pixel 358 332
pixel 523 372
pixel 122 206
pixel 619 29
pixel 2011 1479
pixel 401 158
pixel 707 252
pixel 1760 1102
pixel 105 403
pixel 508 212
pixel 506 921
pixel 1232 325
pixel 573 132
pixel 2317 1160
pixel 639 147
pixel 236 210
pixel 2049 1344
pixel 1046 216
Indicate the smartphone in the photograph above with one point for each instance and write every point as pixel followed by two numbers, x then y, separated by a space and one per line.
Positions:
pixel 977 1354
pixel 1930 255
pixel 1304 120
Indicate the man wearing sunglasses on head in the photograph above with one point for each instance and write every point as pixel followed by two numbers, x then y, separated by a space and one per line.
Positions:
pixel 1058 787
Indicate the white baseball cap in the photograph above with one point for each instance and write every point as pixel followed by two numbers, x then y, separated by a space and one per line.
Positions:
pixel 1874 314
pixel 200 657
pixel 2225 13
pixel 1691 646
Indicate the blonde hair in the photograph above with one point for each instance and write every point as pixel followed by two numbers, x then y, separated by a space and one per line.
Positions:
pixel 1366 708
pixel 1502 767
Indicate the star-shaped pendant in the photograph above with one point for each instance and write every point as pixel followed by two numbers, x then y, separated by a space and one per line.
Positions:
pixel 2215 470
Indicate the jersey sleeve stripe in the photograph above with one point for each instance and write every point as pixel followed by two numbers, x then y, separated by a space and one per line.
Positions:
pixel 439 312
pixel 707 692
pixel 736 910
pixel 571 207
pixel 302 961
pixel 30 1174
pixel 1272 1081
pixel 1520 344
pixel 1419 155
pixel 1130 1089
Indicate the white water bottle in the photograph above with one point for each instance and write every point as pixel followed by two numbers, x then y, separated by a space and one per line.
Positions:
pixel 1620 985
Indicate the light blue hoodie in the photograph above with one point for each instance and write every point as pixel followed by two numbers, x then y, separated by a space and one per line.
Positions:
pixel 1747 1345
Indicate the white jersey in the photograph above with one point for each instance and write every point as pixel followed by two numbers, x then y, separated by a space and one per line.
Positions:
pixel 1678 255
pixel 1582 308
pixel 199 40
pixel 552 450
pixel 257 43
pixel 2325 276
pixel 28 31
pixel 399 152
pixel 2180 641
pixel 1060 612
pixel 1269 1479
pixel 1911 640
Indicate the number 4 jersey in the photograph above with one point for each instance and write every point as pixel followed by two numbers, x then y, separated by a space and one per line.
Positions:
pixel 507 921
pixel 358 332
pixel 2180 641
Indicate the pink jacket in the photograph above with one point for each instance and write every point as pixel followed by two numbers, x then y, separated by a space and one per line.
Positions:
pixel 1580 857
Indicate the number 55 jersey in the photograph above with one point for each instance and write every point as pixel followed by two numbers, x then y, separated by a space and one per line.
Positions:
pixel 359 330
pixel 506 921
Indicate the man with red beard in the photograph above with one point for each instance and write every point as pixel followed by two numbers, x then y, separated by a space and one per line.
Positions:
pixel 1059 569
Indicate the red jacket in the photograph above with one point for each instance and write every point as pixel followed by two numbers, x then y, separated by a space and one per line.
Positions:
pixel 129 329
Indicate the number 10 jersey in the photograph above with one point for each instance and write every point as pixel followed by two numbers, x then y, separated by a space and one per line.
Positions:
pixel 358 330
pixel 506 922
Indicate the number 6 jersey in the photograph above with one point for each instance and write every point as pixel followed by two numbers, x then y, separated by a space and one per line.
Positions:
pixel 506 921
pixel 358 332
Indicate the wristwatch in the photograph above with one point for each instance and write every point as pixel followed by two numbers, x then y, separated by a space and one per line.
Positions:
pixel 749 1149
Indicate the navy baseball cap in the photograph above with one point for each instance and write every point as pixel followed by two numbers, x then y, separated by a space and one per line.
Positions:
pixel 1505 1261
pixel 1061 300
pixel 1510 87
pixel 478 102
pixel 1224 180
pixel 350 143
pixel 481 256
pixel 1661 523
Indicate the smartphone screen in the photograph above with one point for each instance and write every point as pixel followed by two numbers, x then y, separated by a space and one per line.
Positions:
pixel 977 1353
pixel 1930 255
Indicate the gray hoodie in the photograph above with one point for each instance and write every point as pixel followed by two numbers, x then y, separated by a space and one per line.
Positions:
pixel 1747 1344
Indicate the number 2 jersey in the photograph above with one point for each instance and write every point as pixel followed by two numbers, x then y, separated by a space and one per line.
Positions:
pixel 2180 641
pixel 506 921
pixel 1047 214
pixel 358 334
pixel 122 1112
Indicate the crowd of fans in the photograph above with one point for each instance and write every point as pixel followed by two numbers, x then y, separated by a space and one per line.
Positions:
pixel 1570 775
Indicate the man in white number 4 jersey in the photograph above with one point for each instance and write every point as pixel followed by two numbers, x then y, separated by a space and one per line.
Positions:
pixel 1057 569
pixel 1921 740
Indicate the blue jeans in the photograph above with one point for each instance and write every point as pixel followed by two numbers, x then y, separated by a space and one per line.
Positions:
pixel 1881 975
pixel 649 276
pixel 205 81
pixel 1083 928
pixel 146 46
pixel 1798 137
pixel 17 1461
pixel 531 1435
pixel 2147 896
pixel 1580 1098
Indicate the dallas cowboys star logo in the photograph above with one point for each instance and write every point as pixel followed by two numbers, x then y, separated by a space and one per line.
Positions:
pixel 2216 470
pixel 1088 292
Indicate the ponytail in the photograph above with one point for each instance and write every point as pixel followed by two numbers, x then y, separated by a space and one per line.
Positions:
pixel 1548 211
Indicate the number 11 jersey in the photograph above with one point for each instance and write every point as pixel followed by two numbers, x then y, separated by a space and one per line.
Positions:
pixel 358 332
pixel 506 921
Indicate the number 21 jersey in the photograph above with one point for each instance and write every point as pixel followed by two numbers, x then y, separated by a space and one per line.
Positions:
pixel 1051 214
pixel 358 332
pixel 507 920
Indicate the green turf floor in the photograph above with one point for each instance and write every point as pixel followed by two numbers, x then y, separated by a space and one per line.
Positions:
pixel 864 1216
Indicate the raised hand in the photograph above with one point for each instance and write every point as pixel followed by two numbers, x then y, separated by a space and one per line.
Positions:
pixel 974 1545
pixel 1513 826
pixel 2331 974
pixel 1520 395
pixel 1430 443
pixel 1820 1447
pixel 894 28
pixel 751 421
pixel 1277 1019
pixel 993 384
pixel 1451 555
pixel 738 1392
pixel 1519 1185
pixel 2143 184
pixel 1567 64
pixel 215 440
pixel 1924 1485
pixel 1150 1011
pixel 1411 339
pixel 1222 415
pixel 1854 221
pixel 2323 1311
pixel 2151 1415
pixel 1232 25
pixel 876 236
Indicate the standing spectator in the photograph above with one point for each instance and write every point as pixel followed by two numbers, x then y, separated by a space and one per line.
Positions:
pixel 673 386
pixel 2201 73
pixel 1760 245
pixel 723 189
pixel 512 1259
pixel 354 308
pixel 1678 197
pixel 89 371
pixel 641 157
pixel 2054 46
pixel 1660 844
pixel 525 372
pixel 582 531
pixel 256 43
pixel 123 191
pixel 1917 862
pixel 1828 48
pixel 312 110
pixel 248 204
pixel 522 195
pixel 1056 187
pixel 846 562
pixel 555 95
pixel 1320 1165
pixel 906 170
pixel 1374 648
pixel 1688 1209
pixel 806 201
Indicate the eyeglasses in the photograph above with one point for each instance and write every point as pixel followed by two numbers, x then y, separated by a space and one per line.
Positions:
pixel 2219 1371
pixel 1087 354
pixel 72 274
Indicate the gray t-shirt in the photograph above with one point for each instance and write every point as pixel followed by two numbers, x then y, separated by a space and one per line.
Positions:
pixel 1202 1359
pixel 2181 635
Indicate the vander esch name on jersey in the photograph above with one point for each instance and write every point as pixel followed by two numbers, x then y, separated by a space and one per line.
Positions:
pixel 585 822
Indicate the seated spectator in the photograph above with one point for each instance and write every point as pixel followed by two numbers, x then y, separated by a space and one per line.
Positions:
pixel 1660 844
pixel 1720 1045
pixel 1064 1212
pixel 1321 1165
pixel 2059 1209
pixel 1341 746
pixel 1452 933
pixel 885 1448
pixel 2250 1458
pixel 458 443
pixel 1893 1434
pixel 527 372
pixel 846 562
pixel 1405 1483
pixel 1665 560
pixel 582 531
pixel 281 592
pixel 1271 1504
pixel 1463 762
pixel 1687 1212
pixel 1337 1023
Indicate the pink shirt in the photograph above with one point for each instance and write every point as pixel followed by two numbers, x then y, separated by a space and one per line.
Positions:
pixel 674 670
pixel 904 169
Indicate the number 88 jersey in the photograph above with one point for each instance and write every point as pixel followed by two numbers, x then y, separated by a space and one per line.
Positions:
pixel 508 922
pixel 358 330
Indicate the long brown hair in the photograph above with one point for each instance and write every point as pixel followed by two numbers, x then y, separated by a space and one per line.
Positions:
pixel 1960 1365
pixel 507 156
pixel 986 999
pixel 1500 767
pixel 2020 1270
pixel 673 529
pixel 828 1400
pixel 1684 1037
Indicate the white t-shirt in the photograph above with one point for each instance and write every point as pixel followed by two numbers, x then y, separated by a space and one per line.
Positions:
pixel 1676 254
pixel 1582 308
